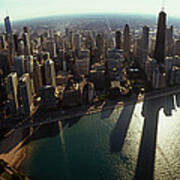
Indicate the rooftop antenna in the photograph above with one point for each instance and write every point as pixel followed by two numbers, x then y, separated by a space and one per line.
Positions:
pixel 163 5
pixel 7 13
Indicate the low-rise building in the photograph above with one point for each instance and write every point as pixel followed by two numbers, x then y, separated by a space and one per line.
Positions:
pixel 73 93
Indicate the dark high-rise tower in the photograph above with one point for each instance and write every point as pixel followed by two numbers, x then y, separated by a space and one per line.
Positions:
pixel 4 63
pixel 26 39
pixel 145 43
pixel 26 29
pixel 118 39
pixel 100 44
pixel 160 46
pixel 7 25
pixel 126 38
pixel 16 45
pixel 9 37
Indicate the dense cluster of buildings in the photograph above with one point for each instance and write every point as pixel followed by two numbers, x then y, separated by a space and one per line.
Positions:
pixel 51 69
pixel 159 57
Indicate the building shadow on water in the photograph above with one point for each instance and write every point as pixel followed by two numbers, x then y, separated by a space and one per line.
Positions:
pixel 7 144
pixel 147 149
pixel 38 133
pixel 50 130
pixel 118 134
pixel 44 131
pixel 110 106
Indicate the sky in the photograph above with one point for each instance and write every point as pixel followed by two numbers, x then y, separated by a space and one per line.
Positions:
pixel 26 9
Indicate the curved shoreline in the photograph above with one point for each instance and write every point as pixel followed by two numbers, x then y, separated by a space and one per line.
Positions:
pixel 78 112
pixel 17 154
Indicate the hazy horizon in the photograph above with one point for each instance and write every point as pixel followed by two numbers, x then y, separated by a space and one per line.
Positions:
pixel 24 9
pixel 87 14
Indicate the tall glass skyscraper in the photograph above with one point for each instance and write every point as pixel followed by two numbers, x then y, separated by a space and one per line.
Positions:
pixel 118 39
pixel 160 46
pixel 126 42
pixel 7 25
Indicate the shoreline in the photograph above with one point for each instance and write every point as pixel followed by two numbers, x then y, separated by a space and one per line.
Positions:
pixel 17 154
pixel 56 115
pixel 49 116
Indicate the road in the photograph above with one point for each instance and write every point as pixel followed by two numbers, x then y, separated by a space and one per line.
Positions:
pixel 78 112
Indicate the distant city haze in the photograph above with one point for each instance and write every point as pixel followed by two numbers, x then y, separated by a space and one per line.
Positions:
pixel 26 9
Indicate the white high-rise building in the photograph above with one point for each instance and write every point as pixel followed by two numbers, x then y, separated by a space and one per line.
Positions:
pixel 50 74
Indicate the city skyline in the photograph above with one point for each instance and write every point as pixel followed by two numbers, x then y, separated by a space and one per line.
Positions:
pixel 113 80
pixel 22 9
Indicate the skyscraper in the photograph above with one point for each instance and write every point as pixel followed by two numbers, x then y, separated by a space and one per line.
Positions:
pixel 16 43
pixel 9 37
pixel 77 44
pixel 145 43
pixel 4 63
pixel 160 47
pixel 50 73
pixel 37 76
pixel 67 32
pixel 100 44
pixel 83 61
pixel 19 65
pixel 26 94
pixel 26 29
pixel 138 49
pixel 27 49
pixel 7 25
pixel 2 42
pixel 30 69
pixel 126 42
pixel 71 39
pixel 12 91
pixel 177 47
pixel 118 39
pixel 29 64
pixel 51 47
pixel 169 41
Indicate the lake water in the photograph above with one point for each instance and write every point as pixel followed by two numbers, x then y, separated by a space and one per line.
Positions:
pixel 138 141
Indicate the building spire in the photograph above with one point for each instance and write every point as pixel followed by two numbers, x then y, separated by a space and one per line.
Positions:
pixel 163 5
pixel 7 13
